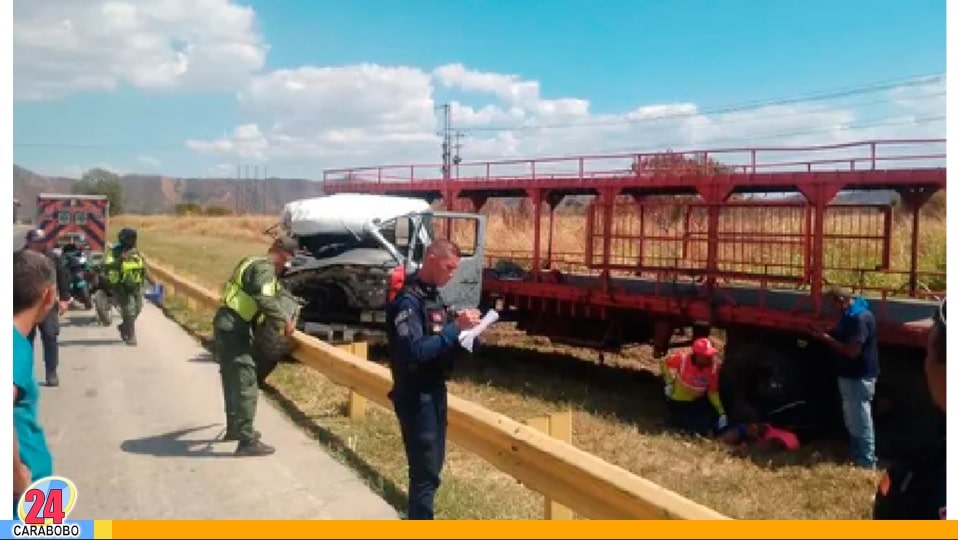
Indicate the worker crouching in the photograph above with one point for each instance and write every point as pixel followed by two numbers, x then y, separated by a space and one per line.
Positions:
pixel 691 390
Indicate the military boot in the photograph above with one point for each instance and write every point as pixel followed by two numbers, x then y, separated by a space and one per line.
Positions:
pixel 131 335
pixel 123 333
pixel 230 436
pixel 254 447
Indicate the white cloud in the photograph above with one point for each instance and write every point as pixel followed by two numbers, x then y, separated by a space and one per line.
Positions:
pixel 311 118
pixel 148 160
pixel 303 119
pixel 68 46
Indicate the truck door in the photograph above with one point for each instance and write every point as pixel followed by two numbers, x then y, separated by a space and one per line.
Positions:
pixel 469 233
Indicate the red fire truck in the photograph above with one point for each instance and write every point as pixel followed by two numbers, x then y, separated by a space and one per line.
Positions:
pixel 80 219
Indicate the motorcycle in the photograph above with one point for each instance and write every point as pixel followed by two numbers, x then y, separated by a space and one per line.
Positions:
pixel 104 300
pixel 80 275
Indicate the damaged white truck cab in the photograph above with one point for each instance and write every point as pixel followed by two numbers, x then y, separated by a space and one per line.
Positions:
pixel 357 249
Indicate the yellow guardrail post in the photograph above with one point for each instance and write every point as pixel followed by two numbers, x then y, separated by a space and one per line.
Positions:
pixel 559 426
pixel 356 409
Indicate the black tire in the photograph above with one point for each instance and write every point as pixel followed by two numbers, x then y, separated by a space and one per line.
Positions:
pixel 782 384
pixel 86 299
pixel 270 347
pixel 104 307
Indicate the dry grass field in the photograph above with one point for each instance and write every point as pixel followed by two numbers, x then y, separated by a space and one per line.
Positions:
pixel 617 410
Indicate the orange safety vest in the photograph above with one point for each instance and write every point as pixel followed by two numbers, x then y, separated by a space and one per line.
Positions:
pixel 689 382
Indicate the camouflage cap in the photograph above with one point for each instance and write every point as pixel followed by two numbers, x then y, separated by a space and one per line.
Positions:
pixel 285 243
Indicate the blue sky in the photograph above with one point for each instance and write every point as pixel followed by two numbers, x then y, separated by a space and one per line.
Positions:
pixel 617 55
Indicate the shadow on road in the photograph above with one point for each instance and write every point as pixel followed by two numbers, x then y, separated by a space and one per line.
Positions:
pixel 85 320
pixel 203 358
pixel 388 489
pixel 173 445
pixel 102 342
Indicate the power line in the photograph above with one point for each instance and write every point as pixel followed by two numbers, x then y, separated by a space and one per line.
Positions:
pixel 678 146
pixel 805 112
pixel 750 106
pixel 742 107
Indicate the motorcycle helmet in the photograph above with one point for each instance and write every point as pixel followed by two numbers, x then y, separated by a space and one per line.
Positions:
pixel 127 237
pixel 35 236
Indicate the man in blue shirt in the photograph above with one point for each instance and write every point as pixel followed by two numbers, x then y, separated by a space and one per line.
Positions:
pixel 34 295
pixel 855 340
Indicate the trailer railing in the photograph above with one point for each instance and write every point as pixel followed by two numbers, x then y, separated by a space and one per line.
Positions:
pixel 852 156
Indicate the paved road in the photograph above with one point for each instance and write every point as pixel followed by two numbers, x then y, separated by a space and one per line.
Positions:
pixel 19 234
pixel 137 429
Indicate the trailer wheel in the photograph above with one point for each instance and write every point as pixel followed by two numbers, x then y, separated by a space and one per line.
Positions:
pixel 785 390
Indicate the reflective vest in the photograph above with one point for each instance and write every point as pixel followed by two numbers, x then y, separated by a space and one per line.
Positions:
pixel 686 381
pixel 237 299
pixel 130 271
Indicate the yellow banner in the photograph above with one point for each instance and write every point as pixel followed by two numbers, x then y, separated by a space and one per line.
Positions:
pixel 526 529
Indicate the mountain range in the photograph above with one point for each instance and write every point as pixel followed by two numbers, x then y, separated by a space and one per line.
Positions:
pixel 158 194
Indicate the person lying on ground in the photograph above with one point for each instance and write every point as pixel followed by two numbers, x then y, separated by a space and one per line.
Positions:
pixel 760 436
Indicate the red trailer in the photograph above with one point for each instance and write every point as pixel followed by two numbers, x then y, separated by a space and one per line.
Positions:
pixel 743 239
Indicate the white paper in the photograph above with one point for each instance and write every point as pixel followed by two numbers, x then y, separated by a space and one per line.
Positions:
pixel 468 337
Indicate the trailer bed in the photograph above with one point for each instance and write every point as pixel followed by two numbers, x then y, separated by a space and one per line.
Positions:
pixel 891 310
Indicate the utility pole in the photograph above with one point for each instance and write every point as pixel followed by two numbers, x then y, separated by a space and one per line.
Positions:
pixel 457 158
pixel 446 134
pixel 238 189
pixel 255 186
pixel 265 177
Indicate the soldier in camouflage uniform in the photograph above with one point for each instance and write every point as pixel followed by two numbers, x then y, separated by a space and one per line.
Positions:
pixel 127 274
pixel 250 297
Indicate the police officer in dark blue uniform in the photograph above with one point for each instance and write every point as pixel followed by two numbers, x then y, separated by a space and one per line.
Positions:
pixel 423 341
pixel 914 488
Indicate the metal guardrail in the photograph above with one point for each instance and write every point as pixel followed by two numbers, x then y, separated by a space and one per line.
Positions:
pixel 584 483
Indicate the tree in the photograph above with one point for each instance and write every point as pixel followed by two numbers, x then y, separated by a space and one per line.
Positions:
pixel 217 210
pixel 187 209
pixel 677 163
pixel 102 182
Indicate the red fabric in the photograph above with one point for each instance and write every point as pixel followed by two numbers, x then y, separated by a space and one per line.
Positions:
pixel 788 439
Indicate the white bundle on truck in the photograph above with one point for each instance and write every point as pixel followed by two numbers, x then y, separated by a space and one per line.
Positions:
pixel 345 212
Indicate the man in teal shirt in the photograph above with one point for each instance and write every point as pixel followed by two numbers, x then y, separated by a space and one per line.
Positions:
pixel 34 294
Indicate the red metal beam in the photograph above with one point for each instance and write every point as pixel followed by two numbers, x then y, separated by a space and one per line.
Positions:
pixel 526 294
